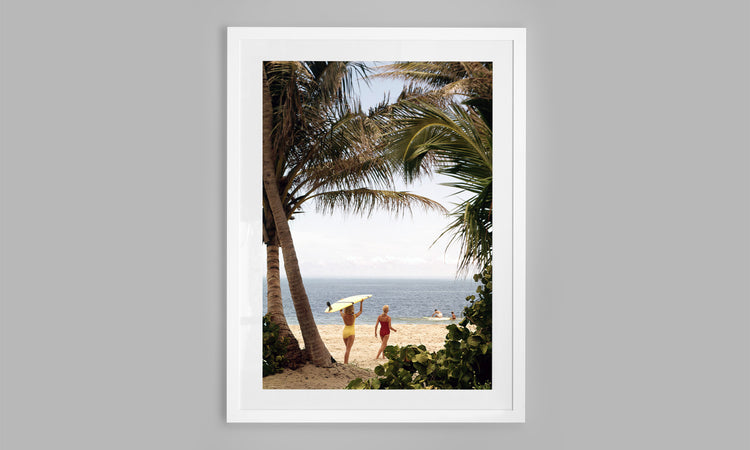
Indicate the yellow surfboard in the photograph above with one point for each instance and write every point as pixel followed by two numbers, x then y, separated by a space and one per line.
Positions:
pixel 344 302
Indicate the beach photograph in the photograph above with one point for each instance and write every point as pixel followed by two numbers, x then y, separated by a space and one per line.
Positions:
pixel 377 224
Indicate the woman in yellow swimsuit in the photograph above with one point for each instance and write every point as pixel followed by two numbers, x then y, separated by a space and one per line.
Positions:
pixel 348 315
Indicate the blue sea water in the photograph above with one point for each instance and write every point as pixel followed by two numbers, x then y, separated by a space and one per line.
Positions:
pixel 410 300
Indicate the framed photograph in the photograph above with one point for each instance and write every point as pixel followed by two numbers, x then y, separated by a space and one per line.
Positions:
pixel 376 225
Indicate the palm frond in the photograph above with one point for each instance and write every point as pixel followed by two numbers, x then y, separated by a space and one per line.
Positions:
pixel 451 137
pixel 365 201
pixel 442 79
pixel 471 228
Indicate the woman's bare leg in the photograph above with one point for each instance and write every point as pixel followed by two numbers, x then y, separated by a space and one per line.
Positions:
pixel 349 342
pixel 384 339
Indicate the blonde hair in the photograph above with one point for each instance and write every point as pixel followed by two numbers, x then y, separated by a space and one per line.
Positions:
pixel 385 308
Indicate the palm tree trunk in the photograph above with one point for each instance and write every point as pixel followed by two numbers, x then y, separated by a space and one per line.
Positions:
pixel 294 355
pixel 313 342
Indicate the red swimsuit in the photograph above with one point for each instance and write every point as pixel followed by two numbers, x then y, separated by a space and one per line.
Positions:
pixel 385 328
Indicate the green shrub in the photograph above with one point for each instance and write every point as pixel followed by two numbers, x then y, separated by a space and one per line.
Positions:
pixel 274 348
pixel 464 363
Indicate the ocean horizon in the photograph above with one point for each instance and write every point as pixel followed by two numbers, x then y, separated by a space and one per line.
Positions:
pixel 411 300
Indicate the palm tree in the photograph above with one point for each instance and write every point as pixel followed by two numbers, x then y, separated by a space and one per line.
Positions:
pixel 430 129
pixel 294 356
pixel 317 147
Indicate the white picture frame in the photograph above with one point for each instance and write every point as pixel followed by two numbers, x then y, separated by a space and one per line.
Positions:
pixel 247 48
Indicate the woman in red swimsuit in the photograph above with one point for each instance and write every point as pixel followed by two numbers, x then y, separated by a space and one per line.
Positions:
pixel 385 330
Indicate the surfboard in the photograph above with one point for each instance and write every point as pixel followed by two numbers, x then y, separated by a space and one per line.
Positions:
pixel 344 302
pixel 437 318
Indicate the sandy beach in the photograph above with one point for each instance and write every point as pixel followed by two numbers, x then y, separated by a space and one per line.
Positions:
pixel 361 359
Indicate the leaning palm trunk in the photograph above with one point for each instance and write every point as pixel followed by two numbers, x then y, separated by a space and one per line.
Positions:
pixel 313 343
pixel 294 355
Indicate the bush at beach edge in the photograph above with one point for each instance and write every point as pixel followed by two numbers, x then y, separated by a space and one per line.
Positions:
pixel 274 348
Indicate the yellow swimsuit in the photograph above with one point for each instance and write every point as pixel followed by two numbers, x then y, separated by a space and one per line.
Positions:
pixel 348 330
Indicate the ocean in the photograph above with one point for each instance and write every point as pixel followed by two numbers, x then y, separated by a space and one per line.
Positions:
pixel 410 301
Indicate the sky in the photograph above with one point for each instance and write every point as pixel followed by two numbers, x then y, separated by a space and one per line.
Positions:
pixel 383 245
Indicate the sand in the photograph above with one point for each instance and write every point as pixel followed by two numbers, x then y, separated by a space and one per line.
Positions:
pixel 361 359
pixel 312 377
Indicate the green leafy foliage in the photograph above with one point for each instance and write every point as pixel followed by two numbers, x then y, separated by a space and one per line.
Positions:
pixel 442 122
pixel 274 348
pixel 464 363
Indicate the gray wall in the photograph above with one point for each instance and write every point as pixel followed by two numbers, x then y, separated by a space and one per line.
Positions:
pixel 113 223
